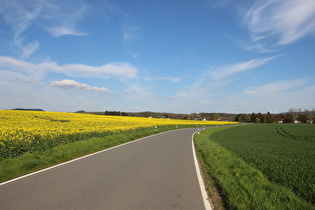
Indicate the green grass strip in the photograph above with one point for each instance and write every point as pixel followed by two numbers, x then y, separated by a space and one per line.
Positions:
pixel 243 186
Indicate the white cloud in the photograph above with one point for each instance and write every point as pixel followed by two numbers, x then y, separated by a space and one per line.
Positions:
pixel 19 14
pixel 115 70
pixel 17 92
pixel 227 71
pixel 131 33
pixel 276 88
pixel 280 95
pixel 9 77
pixel 193 93
pixel 138 91
pixel 63 30
pixel 280 22
pixel 30 49
pixel 62 18
pixel 258 47
pixel 120 70
pixel 57 18
pixel 170 79
pixel 71 84
pixel 218 3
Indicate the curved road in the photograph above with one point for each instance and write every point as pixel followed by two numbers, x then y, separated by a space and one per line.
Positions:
pixel 156 172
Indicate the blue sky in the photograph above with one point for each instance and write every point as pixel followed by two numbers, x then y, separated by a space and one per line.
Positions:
pixel 186 56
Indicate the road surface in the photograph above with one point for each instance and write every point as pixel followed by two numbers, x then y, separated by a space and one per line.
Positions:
pixel 157 172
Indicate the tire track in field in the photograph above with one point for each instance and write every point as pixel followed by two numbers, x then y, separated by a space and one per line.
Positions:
pixel 285 134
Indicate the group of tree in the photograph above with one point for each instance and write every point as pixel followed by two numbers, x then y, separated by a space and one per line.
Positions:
pixel 165 115
pixel 259 118
pixel 292 116
pixel 305 116
pixel 116 113
pixel 192 116
pixel 22 109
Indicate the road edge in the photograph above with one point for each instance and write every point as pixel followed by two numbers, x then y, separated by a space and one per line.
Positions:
pixel 202 186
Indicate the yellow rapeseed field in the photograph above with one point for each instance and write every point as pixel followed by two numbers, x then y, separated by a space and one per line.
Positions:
pixel 22 131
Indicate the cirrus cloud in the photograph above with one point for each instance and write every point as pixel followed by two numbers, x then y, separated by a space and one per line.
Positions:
pixel 279 22
pixel 229 70
pixel 167 78
pixel 119 70
pixel 276 88
pixel 56 17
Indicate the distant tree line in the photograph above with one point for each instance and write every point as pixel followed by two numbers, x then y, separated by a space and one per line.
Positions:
pixel 292 116
pixel 22 109
pixel 164 115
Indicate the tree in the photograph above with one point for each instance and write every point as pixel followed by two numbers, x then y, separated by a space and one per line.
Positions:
pixel 194 116
pixel 307 114
pixel 253 118
pixel 292 111
pixel 260 117
pixel 302 118
pixel 288 118
pixel 215 116
pixel 278 117
pixel 185 117
pixel 268 117
pixel 243 118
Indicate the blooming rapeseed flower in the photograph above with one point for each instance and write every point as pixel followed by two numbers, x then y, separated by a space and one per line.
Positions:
pixel 22 131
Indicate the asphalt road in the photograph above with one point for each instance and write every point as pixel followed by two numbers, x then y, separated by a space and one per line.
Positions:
pixel 157 172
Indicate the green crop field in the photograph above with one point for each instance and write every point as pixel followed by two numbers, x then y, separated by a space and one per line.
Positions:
pixel 283 153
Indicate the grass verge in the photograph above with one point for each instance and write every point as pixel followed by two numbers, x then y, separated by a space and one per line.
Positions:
pixel 242 186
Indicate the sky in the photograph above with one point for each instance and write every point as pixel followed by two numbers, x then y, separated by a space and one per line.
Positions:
pixel 179 56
